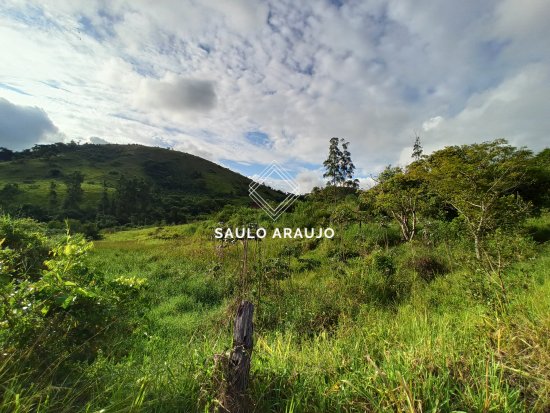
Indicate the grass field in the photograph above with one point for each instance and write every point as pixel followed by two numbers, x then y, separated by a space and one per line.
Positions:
pixel 326 338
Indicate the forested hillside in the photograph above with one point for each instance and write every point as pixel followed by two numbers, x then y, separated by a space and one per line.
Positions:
pixel 110 185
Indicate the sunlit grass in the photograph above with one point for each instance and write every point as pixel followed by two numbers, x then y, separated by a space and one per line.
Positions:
pixel 325 340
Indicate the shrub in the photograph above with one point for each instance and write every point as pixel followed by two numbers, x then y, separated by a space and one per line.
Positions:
pixel 308 264
pixel 53 303
pixel 427 266
pixel 384 263
pixel 27 246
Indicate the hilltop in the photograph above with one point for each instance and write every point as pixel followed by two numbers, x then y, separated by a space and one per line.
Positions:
pixel 126 183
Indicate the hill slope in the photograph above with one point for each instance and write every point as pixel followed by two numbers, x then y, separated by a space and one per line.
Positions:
pixel 174 185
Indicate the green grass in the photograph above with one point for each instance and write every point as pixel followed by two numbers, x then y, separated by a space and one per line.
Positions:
pixel 434 349
pixel 338 336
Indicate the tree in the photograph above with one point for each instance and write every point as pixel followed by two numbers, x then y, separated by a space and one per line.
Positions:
pixel 479 181
pixel 339 167
pixel 536 188
pixel 52 197
pixel 74 191
pixel 133 199
pixel 5 154
pixel 417 149
pixel 388 173
pixel 400 195
pixel 332 164
pixel 8 195
pixel 104 203
pixel 347 167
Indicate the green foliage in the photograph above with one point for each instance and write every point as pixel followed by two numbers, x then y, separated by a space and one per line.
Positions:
pixel 55 310
pixel 25 243
pixel 428 266
pixel 539 227
pixel 384 263
pixel 5 154
pixel 417 149
pixel 123 185
pixel 536 186
pixel 401 196
pixel 74 191
pixel 46 287
pixel 339 167
pixel 479 181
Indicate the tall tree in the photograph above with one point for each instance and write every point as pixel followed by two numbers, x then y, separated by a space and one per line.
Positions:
pixel 52 197
pixel 347 167
pixel 5 154
pixel 332 164
pixel 132 200
pixel 104 203
pixel 479 181
pixel 339 167
pixel 417 149
pixel 74 190
pixel 400 195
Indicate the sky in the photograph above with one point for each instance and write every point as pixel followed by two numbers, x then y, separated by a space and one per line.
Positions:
pixel 247 82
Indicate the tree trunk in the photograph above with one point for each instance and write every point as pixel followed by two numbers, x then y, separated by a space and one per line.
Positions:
pixel 233 395
pixel 477 246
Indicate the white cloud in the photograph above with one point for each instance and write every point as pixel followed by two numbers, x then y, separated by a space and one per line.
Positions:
pixel 432 123
pixel 200 75
pixel 516 109
pixel 23 126
pixel 96 140
pixel 308 179
pixel 366 183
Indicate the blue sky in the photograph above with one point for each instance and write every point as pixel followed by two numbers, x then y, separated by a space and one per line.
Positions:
pixel 247 82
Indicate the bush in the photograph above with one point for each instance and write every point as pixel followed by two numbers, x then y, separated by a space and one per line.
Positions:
pixel 308 264
pixel 25 243
pixel 53 303
pixel 384 263
pixel 427 266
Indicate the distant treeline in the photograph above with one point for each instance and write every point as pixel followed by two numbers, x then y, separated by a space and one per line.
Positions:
pixel 38 151
pixel 138 185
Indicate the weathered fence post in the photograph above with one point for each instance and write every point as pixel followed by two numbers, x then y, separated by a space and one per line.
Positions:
pixel 233 395
pixel 242 346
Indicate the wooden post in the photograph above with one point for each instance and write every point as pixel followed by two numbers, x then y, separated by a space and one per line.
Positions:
pixel 233 395
pixel 242 346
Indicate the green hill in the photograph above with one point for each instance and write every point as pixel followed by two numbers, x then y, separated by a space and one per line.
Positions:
pixel 127 183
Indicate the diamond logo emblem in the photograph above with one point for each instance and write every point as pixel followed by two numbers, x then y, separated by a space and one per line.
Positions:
pixel 274 172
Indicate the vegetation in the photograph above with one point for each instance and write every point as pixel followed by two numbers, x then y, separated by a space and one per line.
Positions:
pixel 101 186
pixel 339 166
pixel 410 307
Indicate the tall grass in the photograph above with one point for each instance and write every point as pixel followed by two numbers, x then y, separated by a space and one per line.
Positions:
pixel 365 333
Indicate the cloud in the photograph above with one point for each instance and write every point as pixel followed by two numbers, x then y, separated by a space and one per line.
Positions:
pixel 366 183
pixel 308 179
pixel 177 94
pixel 23 126
pixel 516 110
pixel 98 141
pixel 203 75
pixel 432 123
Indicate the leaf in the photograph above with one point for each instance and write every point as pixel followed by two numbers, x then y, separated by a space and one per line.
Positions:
pixel 68 301
pixel 64 300
pixel 85 293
